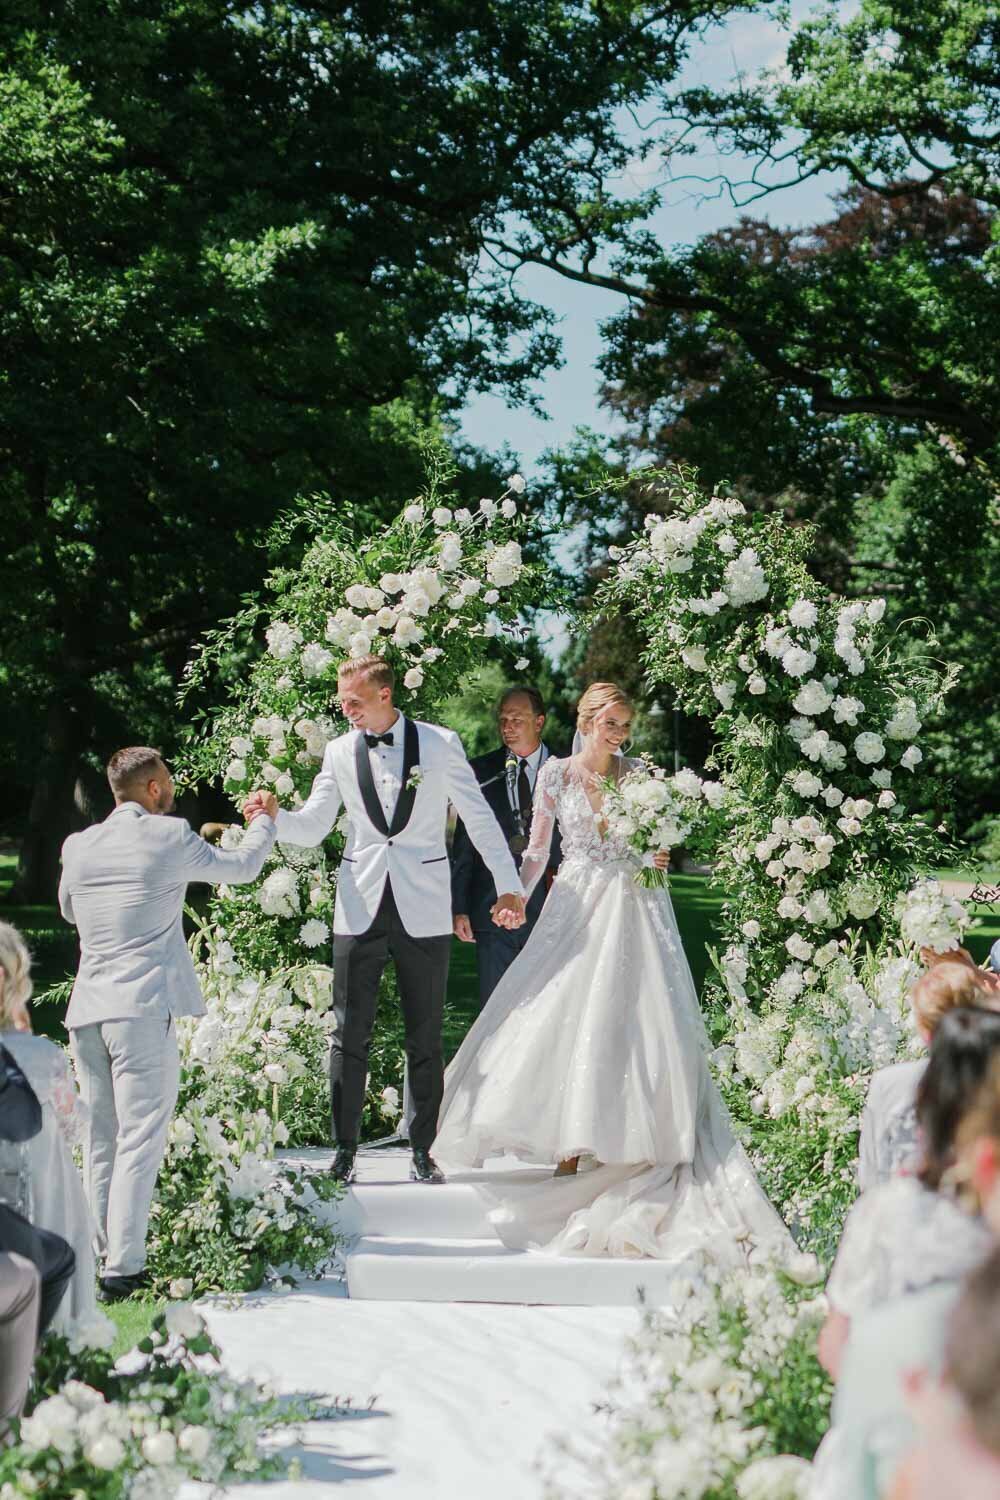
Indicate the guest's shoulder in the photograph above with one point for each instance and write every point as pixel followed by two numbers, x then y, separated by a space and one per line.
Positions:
pixel 897 1081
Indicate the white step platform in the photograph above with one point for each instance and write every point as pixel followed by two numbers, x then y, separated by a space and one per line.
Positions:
pixel 414 1242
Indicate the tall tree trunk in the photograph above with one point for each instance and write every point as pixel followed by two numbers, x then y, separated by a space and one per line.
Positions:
pixel 55 809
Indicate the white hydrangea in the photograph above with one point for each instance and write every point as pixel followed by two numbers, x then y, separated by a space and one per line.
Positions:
pixel 278 895
pixel 316 660
pixel 282 639
pixel 504 566
pixel 904 724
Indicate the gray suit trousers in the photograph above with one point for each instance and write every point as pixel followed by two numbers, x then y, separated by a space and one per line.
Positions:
pixel 129 1073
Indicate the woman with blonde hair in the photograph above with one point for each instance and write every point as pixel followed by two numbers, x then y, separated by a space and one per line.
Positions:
pixel 39 1178
pixel 592 1049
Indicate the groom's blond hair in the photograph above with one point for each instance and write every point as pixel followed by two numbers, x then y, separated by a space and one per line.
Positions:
pixel 598 697
pixel 373 669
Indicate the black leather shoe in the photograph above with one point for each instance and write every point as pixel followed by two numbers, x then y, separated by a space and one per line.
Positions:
pixel 118 1288
pixel 343 1166
pixel 424 1168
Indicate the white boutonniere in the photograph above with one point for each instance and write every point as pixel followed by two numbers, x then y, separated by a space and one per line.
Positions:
pixel 414 779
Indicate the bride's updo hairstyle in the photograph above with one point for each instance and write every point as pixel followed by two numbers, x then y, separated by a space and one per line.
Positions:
pixel 15 972
pixel 598 697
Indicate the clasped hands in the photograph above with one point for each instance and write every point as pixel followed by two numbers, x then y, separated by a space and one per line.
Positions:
pixel 508 912
pixel 260 802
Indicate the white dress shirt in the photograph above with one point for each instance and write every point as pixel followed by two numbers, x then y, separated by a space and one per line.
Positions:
pixel 532 766
pixel 387 767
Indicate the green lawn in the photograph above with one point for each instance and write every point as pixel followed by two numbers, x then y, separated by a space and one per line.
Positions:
pixel 134 1319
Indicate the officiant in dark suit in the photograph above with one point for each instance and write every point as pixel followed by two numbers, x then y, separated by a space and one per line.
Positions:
pixel 507 778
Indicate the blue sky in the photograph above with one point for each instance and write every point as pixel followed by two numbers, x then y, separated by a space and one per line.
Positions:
pixel 745 44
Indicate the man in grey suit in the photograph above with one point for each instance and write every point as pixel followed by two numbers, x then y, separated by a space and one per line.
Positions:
pixel 123 885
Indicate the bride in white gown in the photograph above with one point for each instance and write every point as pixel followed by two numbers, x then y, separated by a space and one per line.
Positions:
pixel 592 1049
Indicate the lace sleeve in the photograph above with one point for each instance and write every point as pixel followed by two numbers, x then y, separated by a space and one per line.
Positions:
pixel 543 822
pixel 70 1111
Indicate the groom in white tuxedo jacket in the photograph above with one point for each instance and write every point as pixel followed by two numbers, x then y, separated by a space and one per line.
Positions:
pixel 123 885
pixel 394 777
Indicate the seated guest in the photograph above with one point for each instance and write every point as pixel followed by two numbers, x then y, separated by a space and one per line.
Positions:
pixel 51 1192
pixel 889 1122
pixel 958 1423
pixel 35 1267
pixel 20 1299
pixel 123 884
pixel 507 777
pixel 906 1246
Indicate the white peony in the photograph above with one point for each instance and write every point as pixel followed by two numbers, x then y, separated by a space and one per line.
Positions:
pixel 414 678
pixel 911 758
pixel 869 748
pixel 236 770
pixel 803 614
pixel 441 516
pixel 797 661
pixel 756 685
pixel 812 698
pixel 745 580
pixel 694 657
pixel 516 483
pixel 413 515
pixel 313 934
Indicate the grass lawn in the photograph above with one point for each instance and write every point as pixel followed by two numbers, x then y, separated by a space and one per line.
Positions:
pixel 133 1319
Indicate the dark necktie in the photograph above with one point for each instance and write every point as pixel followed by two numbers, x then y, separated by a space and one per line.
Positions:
pixel 371 740
pixel 524 793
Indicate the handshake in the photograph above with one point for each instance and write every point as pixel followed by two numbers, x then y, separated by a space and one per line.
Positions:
pixel 260 802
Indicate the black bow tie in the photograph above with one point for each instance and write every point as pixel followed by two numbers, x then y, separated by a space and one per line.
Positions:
pixel 371 740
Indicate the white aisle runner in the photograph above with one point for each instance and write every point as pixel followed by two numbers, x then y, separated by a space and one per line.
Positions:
pixel 470 1387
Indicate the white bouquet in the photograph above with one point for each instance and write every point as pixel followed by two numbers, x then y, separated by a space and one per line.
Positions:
pixel 655 812
pixel 930 918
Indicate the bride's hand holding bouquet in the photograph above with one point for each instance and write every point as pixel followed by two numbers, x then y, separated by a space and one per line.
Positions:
pixel 654 812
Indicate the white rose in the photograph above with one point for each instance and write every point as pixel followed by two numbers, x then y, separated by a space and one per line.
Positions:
pixel 284 785
pixel 887 799
pixel 105 1452
pixel 807 784
pixel 756 685
pixel 508 509
pixel 911 758
pixel 516 483
pixel 725 692
pixel 282 639
pixel 812 698
pixel 832 796
pixel 159 1448
pixel 181 1288
pixel 236 770
pixel 797 947
pixel 407 631
pixel 391 583
pixel 491 596
pixel 414 678
pixel 240 745
pixel 694 657
pixel 196 1442
pixel 441 516
pixel 488 508
pixel 357 596
pixel 385 618
pixel 413 515
pixel 869 748
pixel 875 610
pixel 360 644
pixel 789 908
pixel 751 930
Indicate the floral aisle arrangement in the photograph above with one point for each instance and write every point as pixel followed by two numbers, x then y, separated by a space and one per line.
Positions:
pixel 722 1398
pixel 819 719
pixel 95 1429
pixel 654 812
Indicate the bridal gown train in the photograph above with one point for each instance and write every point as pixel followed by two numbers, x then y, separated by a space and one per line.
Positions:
pixel 593 1045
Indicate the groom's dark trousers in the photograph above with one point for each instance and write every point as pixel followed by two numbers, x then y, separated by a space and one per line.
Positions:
pixel 422 975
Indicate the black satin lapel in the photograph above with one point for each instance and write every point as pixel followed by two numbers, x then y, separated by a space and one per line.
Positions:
pixel 407 795
pixel 366 782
